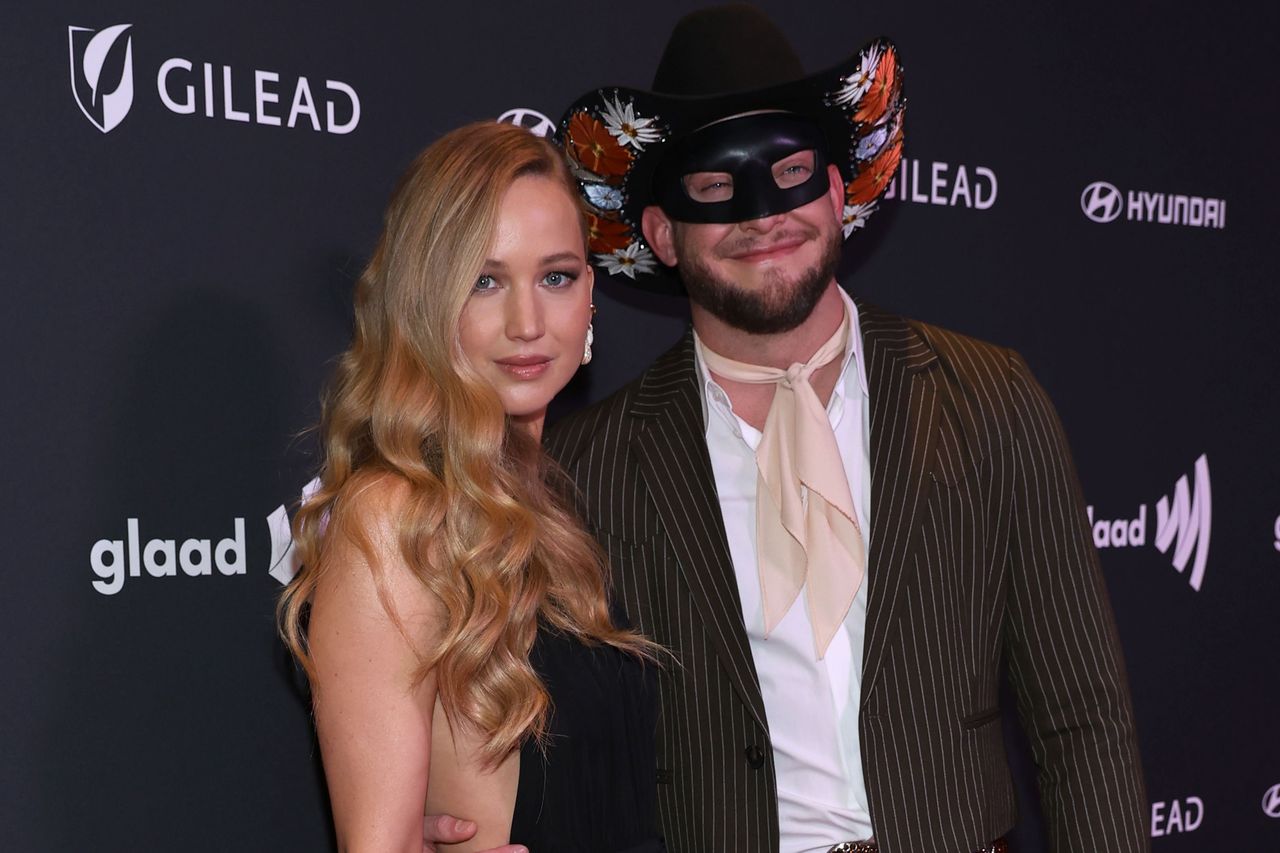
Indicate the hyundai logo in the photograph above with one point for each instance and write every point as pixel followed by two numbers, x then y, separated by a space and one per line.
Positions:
pixel 1271 801
pixel 1101 201
pixel 531 120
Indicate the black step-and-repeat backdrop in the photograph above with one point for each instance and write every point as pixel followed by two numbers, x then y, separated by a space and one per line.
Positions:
pixel 189 191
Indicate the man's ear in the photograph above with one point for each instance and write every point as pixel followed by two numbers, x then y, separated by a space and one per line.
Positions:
pixel 656 226
pixel 835 192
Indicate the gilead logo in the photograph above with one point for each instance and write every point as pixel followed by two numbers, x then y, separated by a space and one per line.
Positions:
pixel 113 560
pixel 184 89
pixel 102 73
pixel 103 86
pixel 946 184
pixel 1183 815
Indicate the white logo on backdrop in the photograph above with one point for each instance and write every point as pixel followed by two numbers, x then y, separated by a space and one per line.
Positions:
pixel 1176 816
pixel 1276 531
pixel 1271 801
pixel 531 120
pixel 1104 202
pixel 1101 201
pixel 1182 522
pixel 1188 519
pixel 108 98
pixel 186 88
pixel 113 560
pixel 284 558
pixel 944 184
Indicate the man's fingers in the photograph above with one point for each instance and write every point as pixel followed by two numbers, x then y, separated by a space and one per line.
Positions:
pixel 446 829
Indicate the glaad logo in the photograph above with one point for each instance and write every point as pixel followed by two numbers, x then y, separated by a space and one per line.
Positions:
pixel 113 560
pixel 186 87
pixel 1189 521
pixel 102 73
pixel 284 558
pixel 944 185
pixel 531 120
pixel 1271 801
pixel 1103 202
pixel 1182 523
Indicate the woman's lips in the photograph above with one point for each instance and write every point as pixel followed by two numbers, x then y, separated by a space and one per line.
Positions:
pixel 525 366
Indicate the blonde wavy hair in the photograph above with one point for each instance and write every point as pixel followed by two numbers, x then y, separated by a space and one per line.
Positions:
pixel 484 528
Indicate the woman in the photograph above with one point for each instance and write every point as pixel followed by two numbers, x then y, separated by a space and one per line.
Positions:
pixel 452 617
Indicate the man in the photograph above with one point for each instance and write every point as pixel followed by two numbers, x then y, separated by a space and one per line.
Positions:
pixel 839 521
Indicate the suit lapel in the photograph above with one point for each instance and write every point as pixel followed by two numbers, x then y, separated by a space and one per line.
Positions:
pixel 904 407
pixel 671 447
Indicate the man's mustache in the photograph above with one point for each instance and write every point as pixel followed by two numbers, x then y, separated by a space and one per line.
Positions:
pixel 748 245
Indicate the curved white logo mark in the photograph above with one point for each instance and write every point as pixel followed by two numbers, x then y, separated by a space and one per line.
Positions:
pixel 1271 801
pixel 102 73
pixel 1187 519
pixel 284 558
pixel 531 120
pixel 1101 201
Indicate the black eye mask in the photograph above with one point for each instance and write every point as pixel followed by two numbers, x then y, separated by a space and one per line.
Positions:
pixel 746 148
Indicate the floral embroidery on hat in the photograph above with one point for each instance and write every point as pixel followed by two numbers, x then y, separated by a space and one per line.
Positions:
pixel 855 216
pixel 594 148
pixel 856 84
pixel 622 123
pixel 603 196
pixel 874 176
pixel 603 137
pixel 871 97
pixel 869 144
pixel 882 93
pixel 606 235
pixel 635 258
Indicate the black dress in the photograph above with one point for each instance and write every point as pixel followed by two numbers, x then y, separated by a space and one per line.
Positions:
pixel 594 789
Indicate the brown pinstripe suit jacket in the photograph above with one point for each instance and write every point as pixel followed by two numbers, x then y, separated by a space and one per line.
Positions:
pixel 979 550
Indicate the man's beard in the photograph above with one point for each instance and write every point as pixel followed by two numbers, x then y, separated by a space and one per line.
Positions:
pixel 779 306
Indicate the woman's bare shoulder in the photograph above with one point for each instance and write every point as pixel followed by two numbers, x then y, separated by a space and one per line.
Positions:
pixel 364 564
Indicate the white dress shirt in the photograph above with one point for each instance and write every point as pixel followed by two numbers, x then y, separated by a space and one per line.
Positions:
pixel 811 705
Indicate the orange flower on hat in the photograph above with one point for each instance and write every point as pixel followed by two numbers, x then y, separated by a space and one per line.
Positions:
pixel 595 148
pixel 605 236
pixel 875 176
pixel 882 91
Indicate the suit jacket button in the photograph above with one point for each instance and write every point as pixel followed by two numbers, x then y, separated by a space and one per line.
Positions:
pixel 755 756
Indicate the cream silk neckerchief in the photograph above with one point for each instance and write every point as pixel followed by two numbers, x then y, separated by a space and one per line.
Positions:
pixel 801 536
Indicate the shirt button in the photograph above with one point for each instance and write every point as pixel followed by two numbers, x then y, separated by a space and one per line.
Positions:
pixel 755 756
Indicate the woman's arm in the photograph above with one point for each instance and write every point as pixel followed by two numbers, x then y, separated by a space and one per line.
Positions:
pixel 374 725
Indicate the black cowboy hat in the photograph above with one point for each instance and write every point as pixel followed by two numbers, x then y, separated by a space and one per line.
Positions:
pixel 719 63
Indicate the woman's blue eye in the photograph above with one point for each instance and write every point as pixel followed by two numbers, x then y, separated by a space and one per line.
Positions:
pixel 559 279
pixel 484 282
